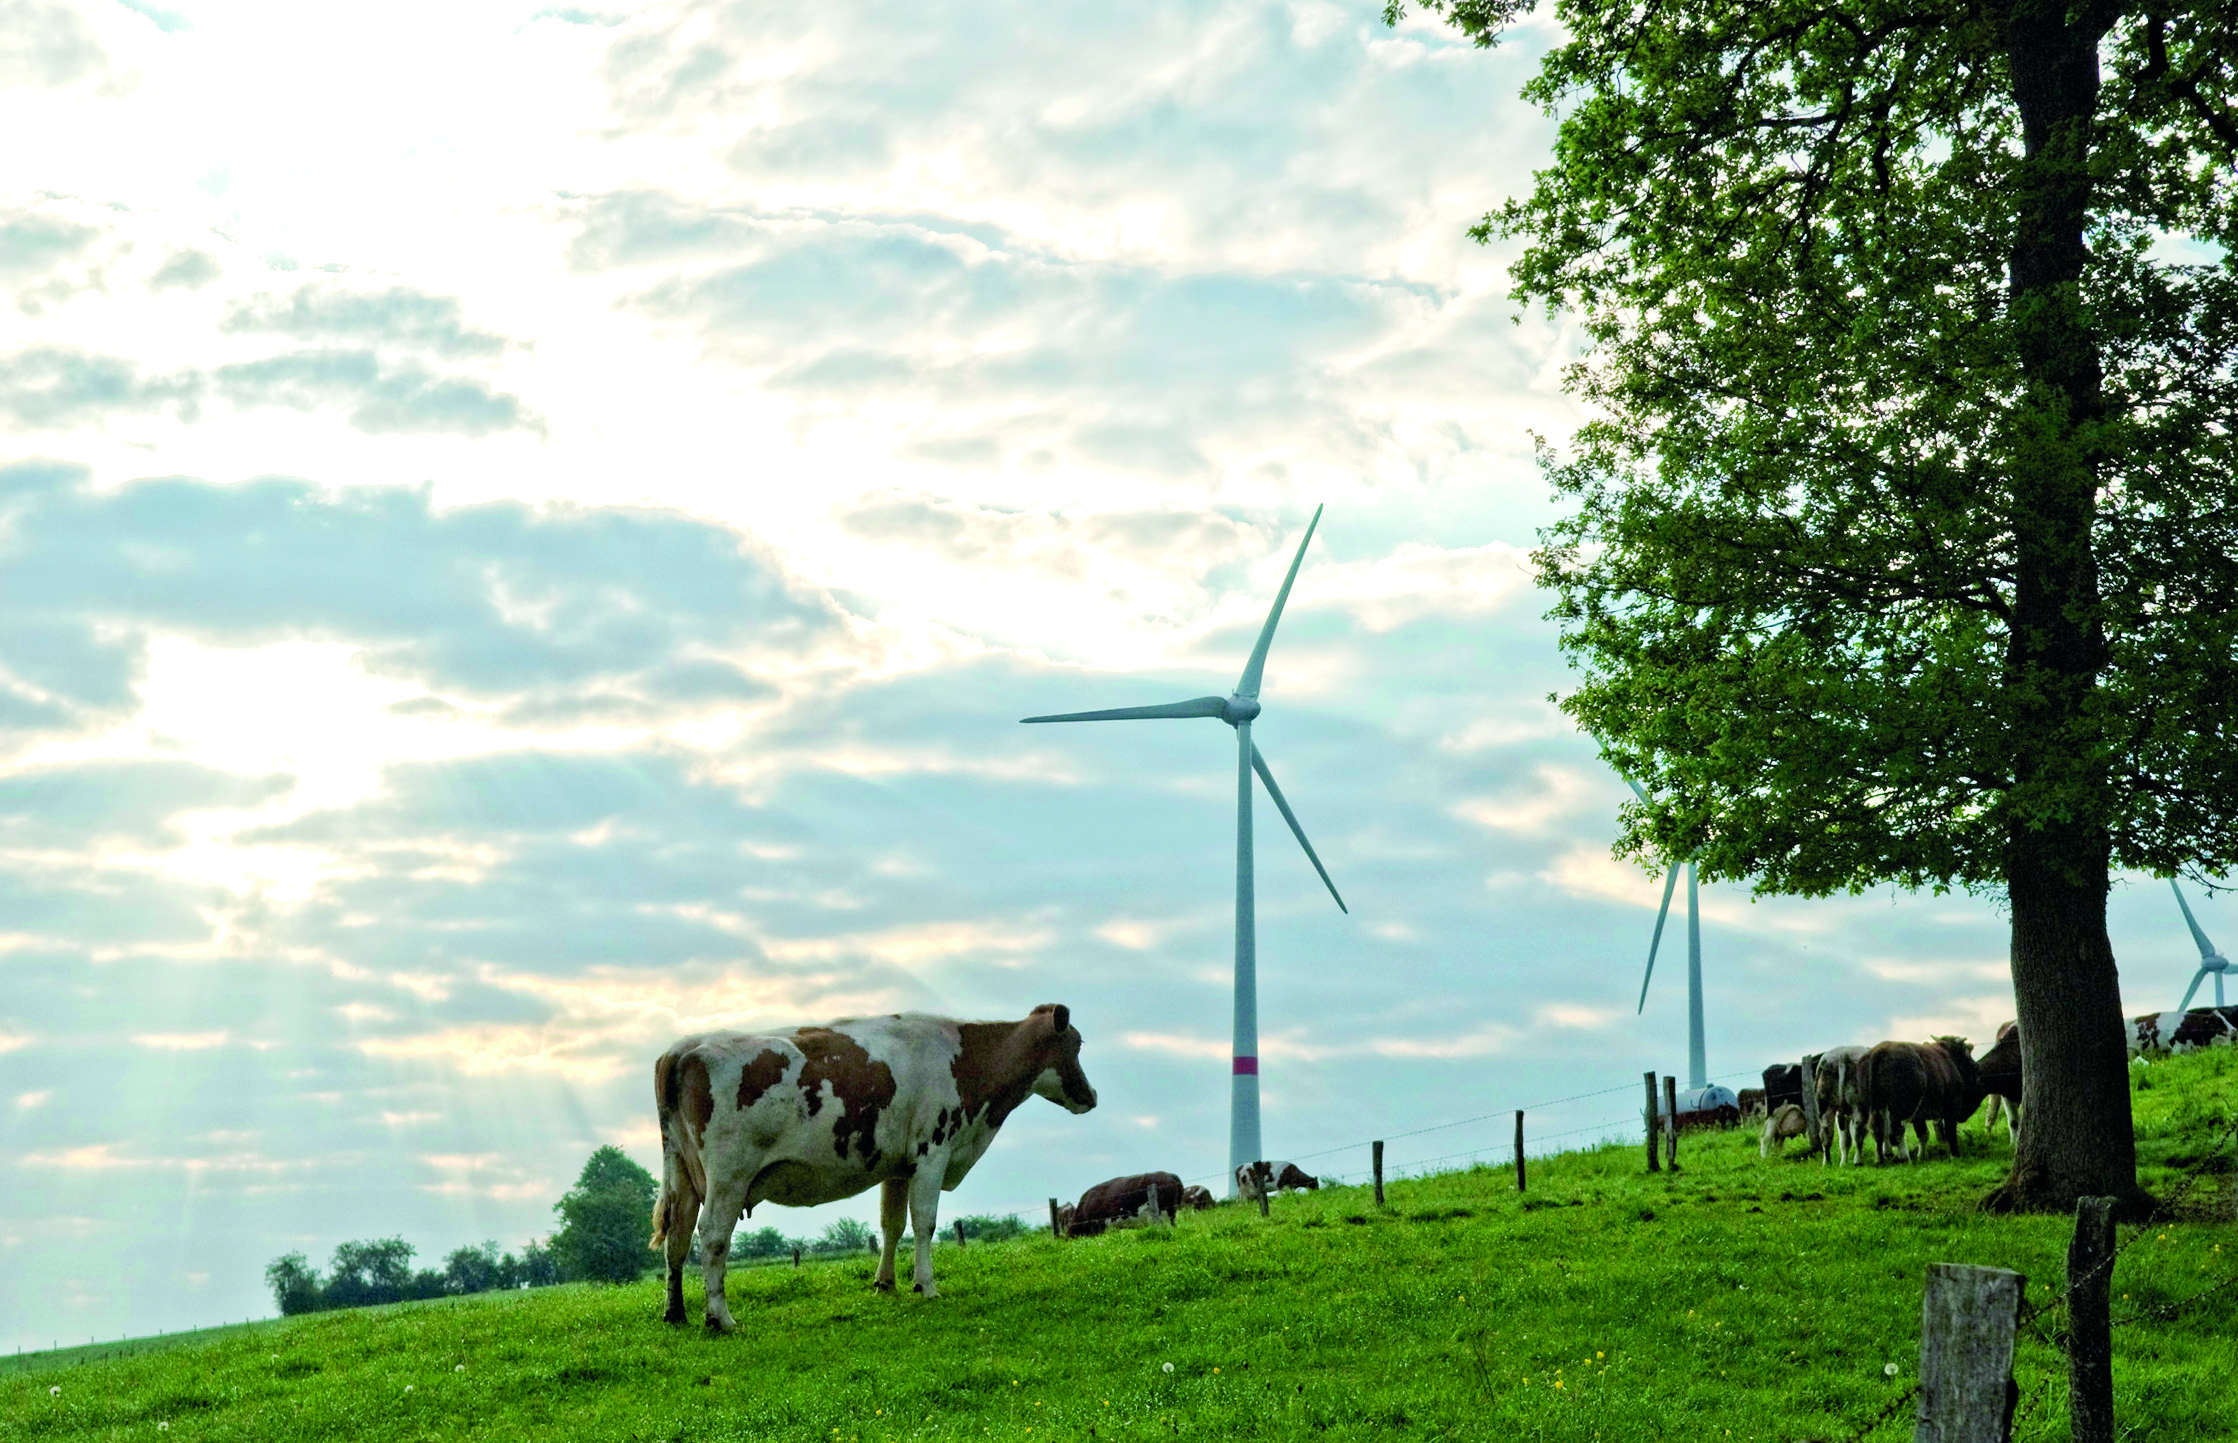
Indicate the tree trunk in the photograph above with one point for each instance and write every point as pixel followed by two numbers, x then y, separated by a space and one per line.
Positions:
pixel 2058 854
pixel 2074 1060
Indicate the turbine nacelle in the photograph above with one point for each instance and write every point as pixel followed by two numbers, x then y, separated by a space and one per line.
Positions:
pixel 1238 709
pixel 2211 963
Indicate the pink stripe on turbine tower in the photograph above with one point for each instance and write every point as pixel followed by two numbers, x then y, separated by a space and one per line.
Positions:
pixel 1238 709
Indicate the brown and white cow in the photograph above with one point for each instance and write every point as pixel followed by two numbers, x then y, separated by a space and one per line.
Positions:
pixel 1196 1198
pixel 2001 1076
pixel 1281 1177
pixel 1121 1200
pixel 1784 1122
pixel 816 1114
pixel 1918 1083
pixel 2183 1031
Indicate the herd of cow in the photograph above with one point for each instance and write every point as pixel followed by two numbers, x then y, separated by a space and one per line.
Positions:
pixel 1837 1098
pixel 908 1102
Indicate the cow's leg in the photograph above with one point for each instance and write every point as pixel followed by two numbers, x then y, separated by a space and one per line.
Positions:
pixel 893 1214
pixel 924 1212
pixel 683 1216
pixel 726 1200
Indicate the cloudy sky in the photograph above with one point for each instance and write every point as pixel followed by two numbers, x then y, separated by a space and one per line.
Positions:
pixel 526 531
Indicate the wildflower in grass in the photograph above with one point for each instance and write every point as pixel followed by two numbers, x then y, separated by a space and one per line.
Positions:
pixel 1890 1370
pixel 460 1368
pixel 1169 1366
pixel 56 1391
pixel 407 1387
pixel 164 1426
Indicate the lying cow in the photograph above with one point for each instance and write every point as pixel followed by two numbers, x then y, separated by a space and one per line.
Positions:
pixel 1196 1198
pixel 1122 1200
pixel 1752 1103
pixel 1786 1121
pixel 1841 1111
pixel 1918 1083
pixel 816 1114
pixel 1281 1177
pixel 2000 1074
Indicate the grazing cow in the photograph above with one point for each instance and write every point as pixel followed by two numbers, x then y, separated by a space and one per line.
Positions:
pixel 1785 1121
pixel 1122 1199
pixel 1841 1111
pixel 2000 1073
pixel 1752 1103
pixel 2183 1031
pixel 1196 1198
pixel 1281 1177
pixel 1918 1083
pixel 816 1114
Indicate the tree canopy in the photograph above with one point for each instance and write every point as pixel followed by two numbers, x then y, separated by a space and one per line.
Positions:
pixel 1905 531
pixel 605 1219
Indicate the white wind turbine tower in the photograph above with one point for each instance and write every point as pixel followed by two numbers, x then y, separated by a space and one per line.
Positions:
pixel 2211 962
pixel 1237 710
pixel 1699 1096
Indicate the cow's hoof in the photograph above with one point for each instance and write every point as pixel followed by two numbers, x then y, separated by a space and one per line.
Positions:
pixel 883 1285
pixel 675 1317
pixel 716 1328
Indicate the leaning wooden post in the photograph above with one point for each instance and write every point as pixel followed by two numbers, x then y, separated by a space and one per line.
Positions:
pixel 1519 1149
pixel 1670 1108
pixel 1969 1320
pixel 1265 1175
pixel 2090 1339
pixel 1379 1172
pixel 1056 1229
pixel 1654 1158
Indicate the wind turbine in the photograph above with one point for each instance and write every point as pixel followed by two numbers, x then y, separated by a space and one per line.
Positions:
pixel 2211 962
pixel 1237 710
pixel 1699 1095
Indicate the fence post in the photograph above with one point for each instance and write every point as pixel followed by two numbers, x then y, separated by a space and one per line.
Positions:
pixel 959 1232
pixel 1379 1172
pixel 2090 1340
pixel 1265 1176
pixel 1056 1230
pixel 796 1257
pixel 1155 1211
pixel 1670 1107
pixel 1654 1158
pixel 1519 1149
pixel 1969 1319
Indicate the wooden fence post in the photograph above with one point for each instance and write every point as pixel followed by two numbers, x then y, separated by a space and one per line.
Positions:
pixel 1519 1149
pixel 1654 1158
pixel 796 1257
pixel 1810 1104
pixel 1969 1320
pixel 1265 1176
pixel 1153 1204
pixel 1056 1230
pixel 1379 1172
pixel 2090 1339
pixel 1670 1109
pixel 959 1232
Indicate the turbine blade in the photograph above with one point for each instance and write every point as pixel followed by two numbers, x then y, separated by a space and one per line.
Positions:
pixel 1259 765
pixel 1195 706
pixel 1637 791
pixel 1670 882
pixel 1252 669
pixel 2196 978
pixel 2206 948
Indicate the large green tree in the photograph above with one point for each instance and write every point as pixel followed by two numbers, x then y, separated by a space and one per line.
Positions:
pixel 604 1220
pixel 1905 533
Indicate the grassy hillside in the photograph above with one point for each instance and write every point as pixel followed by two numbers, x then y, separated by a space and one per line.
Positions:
pixel 1749 1299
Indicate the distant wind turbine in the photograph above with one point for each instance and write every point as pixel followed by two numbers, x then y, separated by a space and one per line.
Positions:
pixel 2211 962
pixel 1237 710
pixel 1699 1095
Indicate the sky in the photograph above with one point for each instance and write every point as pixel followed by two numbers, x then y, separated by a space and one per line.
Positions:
pixel 527 531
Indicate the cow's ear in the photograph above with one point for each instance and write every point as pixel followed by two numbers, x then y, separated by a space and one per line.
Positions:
pixel 1060 1017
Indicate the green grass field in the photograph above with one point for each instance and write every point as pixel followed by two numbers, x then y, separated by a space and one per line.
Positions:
pixel 1741 1298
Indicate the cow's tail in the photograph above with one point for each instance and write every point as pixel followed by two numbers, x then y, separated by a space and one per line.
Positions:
pixel 682 1173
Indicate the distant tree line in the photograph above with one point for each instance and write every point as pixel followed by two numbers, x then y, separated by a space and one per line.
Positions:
pixel 604 1220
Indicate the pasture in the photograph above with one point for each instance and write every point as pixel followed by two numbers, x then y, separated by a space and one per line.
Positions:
pixel 1741 1298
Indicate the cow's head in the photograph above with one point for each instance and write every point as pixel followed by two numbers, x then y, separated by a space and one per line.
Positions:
pixel 1057 1044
